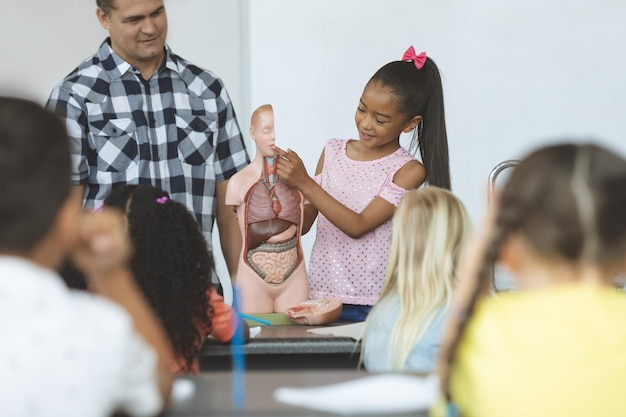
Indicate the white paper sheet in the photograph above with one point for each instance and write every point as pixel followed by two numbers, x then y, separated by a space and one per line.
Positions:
pixel 373 394
pixel 254 331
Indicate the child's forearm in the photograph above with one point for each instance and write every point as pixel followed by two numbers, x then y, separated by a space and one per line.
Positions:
pixel 310 214
pixel 348 221
pixel 292 170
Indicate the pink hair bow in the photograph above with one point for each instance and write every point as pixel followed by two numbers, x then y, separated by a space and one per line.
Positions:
pixel 418 60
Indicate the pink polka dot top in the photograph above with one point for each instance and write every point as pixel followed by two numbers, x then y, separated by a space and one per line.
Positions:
pixel 353 270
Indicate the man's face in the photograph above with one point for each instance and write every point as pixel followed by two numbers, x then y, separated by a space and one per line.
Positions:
pixel 138 29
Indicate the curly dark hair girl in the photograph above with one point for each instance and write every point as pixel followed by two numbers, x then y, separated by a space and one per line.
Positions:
pixel 171 264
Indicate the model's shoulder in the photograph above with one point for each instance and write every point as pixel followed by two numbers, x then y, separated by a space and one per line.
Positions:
pixel 240 183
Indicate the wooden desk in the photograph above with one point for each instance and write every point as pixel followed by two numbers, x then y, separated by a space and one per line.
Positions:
pixel 213 393
pixel 285 347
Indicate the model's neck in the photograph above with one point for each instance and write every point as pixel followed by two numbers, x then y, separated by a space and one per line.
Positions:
pixel 270 176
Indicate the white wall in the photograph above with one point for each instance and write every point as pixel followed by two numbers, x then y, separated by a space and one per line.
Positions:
pixel 516 73
pixel 44 40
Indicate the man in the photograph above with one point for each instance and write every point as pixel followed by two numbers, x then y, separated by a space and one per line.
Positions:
pixel 67 353
pixel 138 113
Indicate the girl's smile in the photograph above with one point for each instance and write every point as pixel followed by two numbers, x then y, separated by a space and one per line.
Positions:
pixel 378 119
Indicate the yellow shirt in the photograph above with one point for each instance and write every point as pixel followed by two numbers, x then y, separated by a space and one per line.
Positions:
pixel 554 352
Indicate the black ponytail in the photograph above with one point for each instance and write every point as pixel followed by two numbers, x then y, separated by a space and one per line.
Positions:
pixel 420 93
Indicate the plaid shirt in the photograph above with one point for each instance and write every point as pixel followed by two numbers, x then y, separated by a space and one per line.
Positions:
pixel 176 131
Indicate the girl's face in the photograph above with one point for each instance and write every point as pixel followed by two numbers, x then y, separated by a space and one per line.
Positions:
pixel 378 120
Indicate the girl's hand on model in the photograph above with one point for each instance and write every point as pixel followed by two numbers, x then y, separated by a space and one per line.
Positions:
pixel 290 168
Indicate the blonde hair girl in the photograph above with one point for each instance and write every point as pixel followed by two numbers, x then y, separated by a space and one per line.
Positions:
pixel 403 330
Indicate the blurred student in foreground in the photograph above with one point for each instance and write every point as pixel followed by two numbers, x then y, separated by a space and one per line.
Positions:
pixel 67 353
pixel 556 346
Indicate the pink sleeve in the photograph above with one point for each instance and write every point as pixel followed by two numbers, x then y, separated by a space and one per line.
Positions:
pixel 392 192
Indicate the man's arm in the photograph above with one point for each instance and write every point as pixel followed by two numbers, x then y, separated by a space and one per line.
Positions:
pixel 230 235
pixel 72 110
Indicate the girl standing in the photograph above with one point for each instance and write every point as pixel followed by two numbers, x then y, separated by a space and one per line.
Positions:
pixel 359 182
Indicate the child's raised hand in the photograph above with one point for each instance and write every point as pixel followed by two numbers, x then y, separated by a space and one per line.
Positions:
pixel 291 168
pixel 103 246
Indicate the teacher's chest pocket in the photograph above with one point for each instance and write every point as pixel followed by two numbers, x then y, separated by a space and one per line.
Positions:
pixel 115 143
pixel 195 138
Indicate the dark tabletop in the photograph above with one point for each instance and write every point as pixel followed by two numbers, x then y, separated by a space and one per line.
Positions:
pixel 285 347
pixel 213 393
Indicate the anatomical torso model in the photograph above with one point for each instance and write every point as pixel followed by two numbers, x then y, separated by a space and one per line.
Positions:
pixel 271 274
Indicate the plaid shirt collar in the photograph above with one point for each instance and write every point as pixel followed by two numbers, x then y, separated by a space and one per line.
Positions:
pixel 116 66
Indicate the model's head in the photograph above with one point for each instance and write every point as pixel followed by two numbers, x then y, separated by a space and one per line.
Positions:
pixel 138 29
pixel 34 173
pixel 262 130
pixel 171 262
pixel 418 97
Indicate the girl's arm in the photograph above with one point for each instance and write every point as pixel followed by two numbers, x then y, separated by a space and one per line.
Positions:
pixel 228 227
pixel 310 211
pixel 292 170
